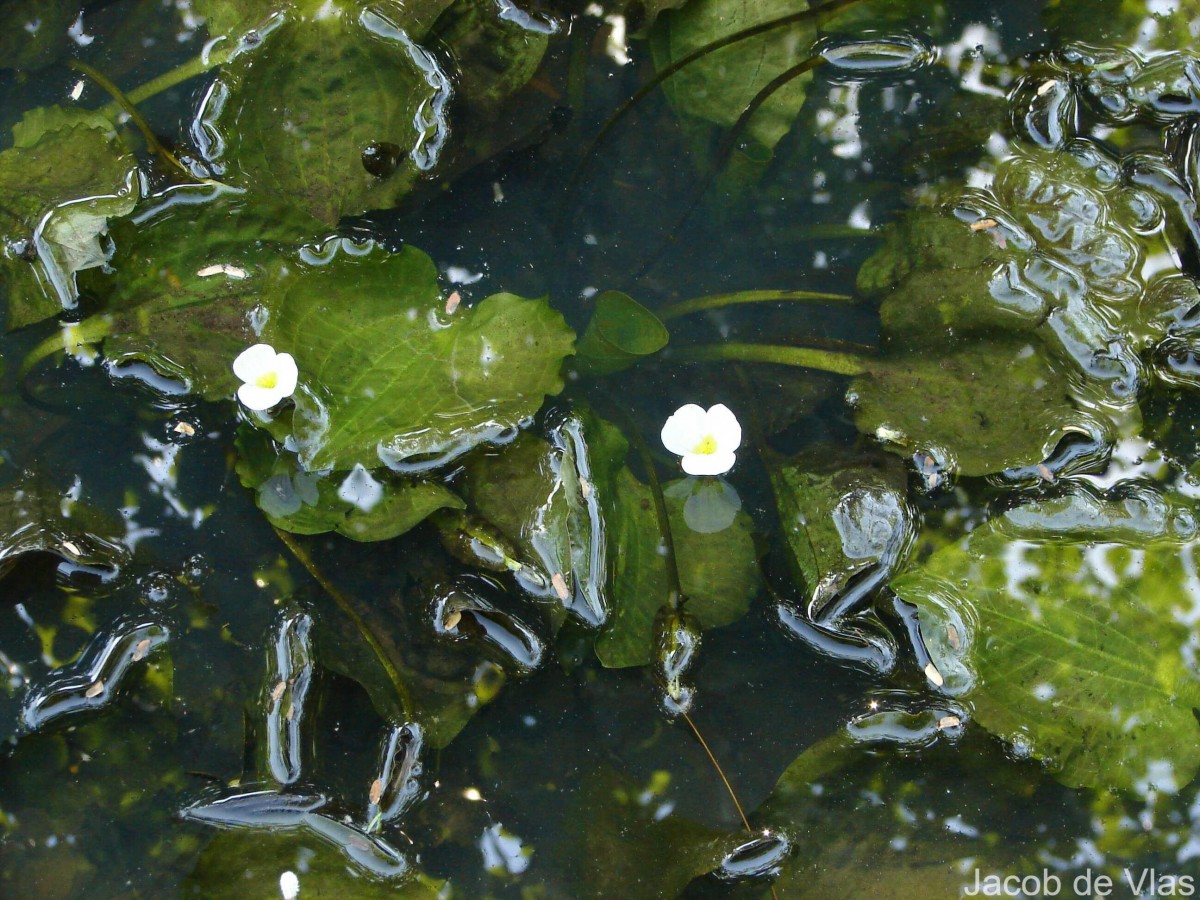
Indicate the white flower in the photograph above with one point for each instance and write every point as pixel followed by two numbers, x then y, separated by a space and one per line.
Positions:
pixel 268 376
pixel 705 439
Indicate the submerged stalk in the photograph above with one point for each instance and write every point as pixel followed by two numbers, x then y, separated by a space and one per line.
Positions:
pixel 347 607
pixel 717 301
pixel 125 103
pixel 803 357
pixel 676 598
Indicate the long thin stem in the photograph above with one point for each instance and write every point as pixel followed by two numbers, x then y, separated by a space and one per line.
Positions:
pixel 664 519
pixel 347 607
pixel 186 71
pixel 127 104
pixel 724 780
pixel 802 357
pixel 717 301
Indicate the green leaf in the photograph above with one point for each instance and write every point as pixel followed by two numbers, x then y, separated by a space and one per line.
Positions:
pixel 59 185
pixel 720 85
pixel 718 570
pixel 189 271
pixel 1059 622
pixel 981 409
pixel 380 506
pixel 327 83
pixel 391 376
pixel 620 333
pixel 841 517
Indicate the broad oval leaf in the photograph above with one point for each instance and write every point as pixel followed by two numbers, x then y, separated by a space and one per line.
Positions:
pixel 387 375
pixel 1060 622
pixel 620 333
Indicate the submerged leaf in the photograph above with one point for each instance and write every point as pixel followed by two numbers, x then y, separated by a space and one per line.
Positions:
pixel 720 85
pixel 1060 623
pixel 391 376
pixel 620 333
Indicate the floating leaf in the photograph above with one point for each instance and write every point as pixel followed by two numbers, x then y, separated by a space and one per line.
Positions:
pixel 718 571
pixel 984 408
pixel 1059 622
pixel 60 183
pixel 293 116
pixel 620 333
pixel 391 376
pixel 357 504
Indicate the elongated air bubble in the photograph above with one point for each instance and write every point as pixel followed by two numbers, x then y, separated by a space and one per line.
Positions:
pixel 371 854
pixel 290 675
pixel 756 858
pixel 92 682
pixel 255 809
pixel 894 53
pixel 398 784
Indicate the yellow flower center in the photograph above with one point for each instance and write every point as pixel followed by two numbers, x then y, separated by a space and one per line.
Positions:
pixel 707 447
pixel 266 380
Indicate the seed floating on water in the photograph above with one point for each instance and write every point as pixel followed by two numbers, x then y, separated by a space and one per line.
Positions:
pixel 585 487
pixel 1045 472
pixel 948 722
pixel 983 224
pixel 139 652
pixel 184 428
pixel 560 586
pixel 452 619
pixel 95 689
pixel 376 791
pixel 934 675
pixel 452 302
pixel 278 691
pixel 72 548
pixel 1046 87
pixel 952 637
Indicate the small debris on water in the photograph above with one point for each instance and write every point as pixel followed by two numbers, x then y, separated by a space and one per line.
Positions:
pixel 376 791
pixel 983 224
pixel 948 722
pixel 452 619
pixel 452 302
pixel 1045 472
pixel 223 269
pixel 560 586
pixel 77 90
pixel 278 691
pixel 184 428
pixel 95 689
pixel 934 675
pixel 1046 87
pixel 585 487
pixel 139 652
pixel 952 637
pixel 72 548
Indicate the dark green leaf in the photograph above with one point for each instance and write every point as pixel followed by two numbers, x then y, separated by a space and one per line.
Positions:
pixel 720 85
pixel 1058 622
pixel 981 409
pixel 620 333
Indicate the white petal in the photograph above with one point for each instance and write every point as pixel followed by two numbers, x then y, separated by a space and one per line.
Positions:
pixel 287 374
pixel 258 398
pixel 684 430
pixel 712 507
pixel 723 425
pixel 254 361
pixel 709 463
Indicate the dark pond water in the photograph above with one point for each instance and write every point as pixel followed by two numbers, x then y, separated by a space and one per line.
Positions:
pixel 417 630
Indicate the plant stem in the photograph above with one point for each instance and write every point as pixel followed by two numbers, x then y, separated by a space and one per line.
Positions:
pixel 803 357
pixel 676 598
pixel 717 301
pixel 347 607
pixel 192 68
pixel 125 103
